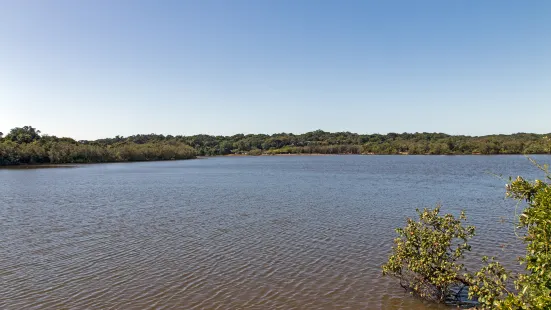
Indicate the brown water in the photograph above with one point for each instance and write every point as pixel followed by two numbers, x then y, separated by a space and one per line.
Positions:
pixel 234 233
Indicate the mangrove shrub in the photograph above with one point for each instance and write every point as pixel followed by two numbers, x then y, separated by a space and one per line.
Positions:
pixel 427 252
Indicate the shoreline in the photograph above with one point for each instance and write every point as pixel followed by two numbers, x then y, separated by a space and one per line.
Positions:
pixel 38 166
pixel 369 154
pixel 76 165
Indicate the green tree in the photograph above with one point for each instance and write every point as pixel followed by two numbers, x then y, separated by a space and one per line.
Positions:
pixel 533 287
pixel 426 255
pixel 25 134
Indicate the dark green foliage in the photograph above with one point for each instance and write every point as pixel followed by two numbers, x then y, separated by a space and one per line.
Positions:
pixel 25 134
pixel 26 145
pixel 322 142
pixel 21 146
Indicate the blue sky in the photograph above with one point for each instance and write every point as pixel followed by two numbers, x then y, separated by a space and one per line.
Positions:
pixel 92 69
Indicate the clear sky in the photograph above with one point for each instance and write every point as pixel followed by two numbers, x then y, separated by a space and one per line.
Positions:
pixel 98 68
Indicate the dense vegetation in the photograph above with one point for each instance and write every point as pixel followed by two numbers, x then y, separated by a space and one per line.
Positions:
pixel 26 145
pixel 427 254
pixel 321 142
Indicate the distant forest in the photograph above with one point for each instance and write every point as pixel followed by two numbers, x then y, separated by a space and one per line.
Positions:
pixel 25 145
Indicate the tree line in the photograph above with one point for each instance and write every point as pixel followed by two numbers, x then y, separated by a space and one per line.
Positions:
pixel 322 142
pixel 24 145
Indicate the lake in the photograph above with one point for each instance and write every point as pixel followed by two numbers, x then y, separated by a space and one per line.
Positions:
pixel 282 232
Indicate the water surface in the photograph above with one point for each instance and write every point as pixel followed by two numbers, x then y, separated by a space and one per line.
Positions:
pixel 296 232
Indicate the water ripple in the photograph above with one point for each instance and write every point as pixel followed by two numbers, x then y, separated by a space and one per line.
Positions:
pixel 233 233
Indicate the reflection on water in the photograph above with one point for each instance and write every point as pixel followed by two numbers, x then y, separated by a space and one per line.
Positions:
pixel 38 166
pixel 235 233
